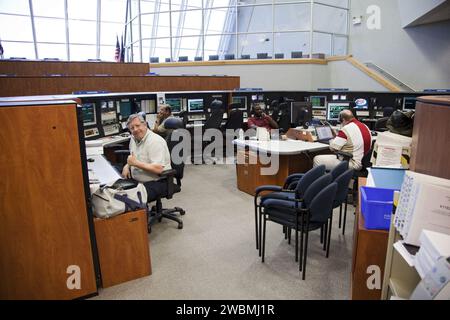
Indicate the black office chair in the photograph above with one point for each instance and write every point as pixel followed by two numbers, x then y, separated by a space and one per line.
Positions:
pixel 305 215
pixel 198 58
pixel 245 56
pixel 235 118
pixel 362 173
pixel 279 55
pixel 229 56
pixel 157 212
pixel 387 111
pixel 284 120
pixel 183 115
pixel 380 124
pixel 154 59
pixel 296 54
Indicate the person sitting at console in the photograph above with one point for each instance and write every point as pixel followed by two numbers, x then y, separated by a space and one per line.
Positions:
pixel 354 137
pixel 165 112
pixel 260 119
pixel 149 157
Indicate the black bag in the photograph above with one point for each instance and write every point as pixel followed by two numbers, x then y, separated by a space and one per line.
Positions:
pixel 401 122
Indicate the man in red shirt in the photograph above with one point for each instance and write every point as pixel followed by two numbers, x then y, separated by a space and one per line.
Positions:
pixel 260 119
pixel 354 138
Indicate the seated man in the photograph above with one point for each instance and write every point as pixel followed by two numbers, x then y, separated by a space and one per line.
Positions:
pixel 149 157
pixel 165 112
pixel 260 119
pixel 354 138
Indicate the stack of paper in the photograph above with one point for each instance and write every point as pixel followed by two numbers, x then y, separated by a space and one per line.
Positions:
pixel 424 204
pixel 433 245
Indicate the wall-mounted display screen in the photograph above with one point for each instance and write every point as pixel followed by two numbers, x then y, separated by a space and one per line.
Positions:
pixel 334 109
pixel 242 101
pixel 88 112
pixel 175 104
pixel 318 101
pixel 195 105
pixel 361 104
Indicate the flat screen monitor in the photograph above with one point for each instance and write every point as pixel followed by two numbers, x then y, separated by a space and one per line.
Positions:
pixel 301 113
pixel 175 104
pixel 409 103
pixel 125 108
pixel 88 112
pixel 335 97
pixel 334 109
pixel 242 101
pixel 343 97
pixel 361 104
pixel 318 101
pixel 195 105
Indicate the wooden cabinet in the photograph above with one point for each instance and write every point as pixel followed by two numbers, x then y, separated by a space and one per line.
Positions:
pixel 123 247
pixel 47 246
pixel 369 249
pixel 430 148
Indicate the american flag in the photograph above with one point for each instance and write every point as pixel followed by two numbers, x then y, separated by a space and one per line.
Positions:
pixel 122 52
pixel 117 54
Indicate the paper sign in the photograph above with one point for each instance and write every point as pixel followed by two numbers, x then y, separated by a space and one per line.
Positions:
pixel 389 156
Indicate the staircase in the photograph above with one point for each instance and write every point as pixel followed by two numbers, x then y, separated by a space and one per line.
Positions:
pixel 390 77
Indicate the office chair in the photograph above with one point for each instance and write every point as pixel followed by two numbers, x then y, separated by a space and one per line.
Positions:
pixel 380 124
pixel 154 59
pixel 311 213
pixel 245 56
pixel 183 115
pixel 157 212
pixel 362 173
pixel 182 58
pixel 279 55
pixel 168 60
pixel 229 56
pixel 294 187
pixel 341 197
pixel 388 111
pixel 284 120
pixel 198 58
pixel 214 57
pixel 235 119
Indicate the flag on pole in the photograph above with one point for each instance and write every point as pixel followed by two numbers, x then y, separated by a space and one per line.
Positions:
pixel 117 53
pixel 1 50
pixel 122 52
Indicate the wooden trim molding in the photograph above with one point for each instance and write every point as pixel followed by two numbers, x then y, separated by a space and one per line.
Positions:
pixel 389 85
pixel 237 62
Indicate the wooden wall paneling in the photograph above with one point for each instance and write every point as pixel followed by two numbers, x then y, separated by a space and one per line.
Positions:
pixel 43 214
pixel 24 86
pixel 430 152
pixel 41 68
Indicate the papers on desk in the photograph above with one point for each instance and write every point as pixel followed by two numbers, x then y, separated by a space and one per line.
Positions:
pixel 94 147
pixel 101 171
pixel 424 203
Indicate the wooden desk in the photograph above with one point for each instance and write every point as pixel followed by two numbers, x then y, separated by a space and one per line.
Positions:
pixel 369 248
pixel 293 157
pixel 123 247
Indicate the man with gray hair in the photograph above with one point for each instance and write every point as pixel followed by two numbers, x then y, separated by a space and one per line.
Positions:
pixel 354 138
pixel 149 157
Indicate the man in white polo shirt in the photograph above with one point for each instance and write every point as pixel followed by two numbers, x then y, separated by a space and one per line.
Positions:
pixel 354 138
pixel 149 157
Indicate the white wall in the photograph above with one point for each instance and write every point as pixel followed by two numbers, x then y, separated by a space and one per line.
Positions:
pixel 344 75
pixel 418 56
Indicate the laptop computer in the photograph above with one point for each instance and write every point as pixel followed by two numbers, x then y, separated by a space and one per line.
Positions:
pixel 324 134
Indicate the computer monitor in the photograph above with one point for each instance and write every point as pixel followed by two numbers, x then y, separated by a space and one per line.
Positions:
pixel 245 56
pixel 88 113
pixel 242 101
pixel 229 56
pixel 214 57
pixel 183 58
pixel 361 104
pixel 343 97
pixel 333 110
pixel 125 108
pixel 195 105
pixel 175 104
pixel 296 54
pixel 279 55
pixel 335 97
pixel 262 55
pixel 154 59
pixel 409 103
pixel 301 113
pixel 318 101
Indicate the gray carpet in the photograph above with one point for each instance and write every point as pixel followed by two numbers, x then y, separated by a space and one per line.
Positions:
pixel 214 255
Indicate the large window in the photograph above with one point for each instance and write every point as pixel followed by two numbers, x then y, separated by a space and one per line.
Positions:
pixel 170 29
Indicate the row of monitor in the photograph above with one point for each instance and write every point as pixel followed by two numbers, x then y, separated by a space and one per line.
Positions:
pixel 408 103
